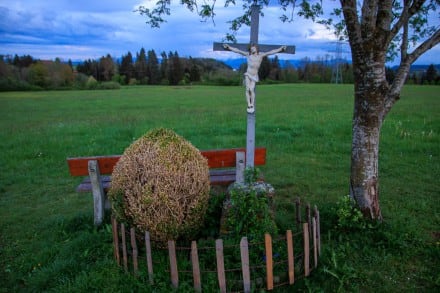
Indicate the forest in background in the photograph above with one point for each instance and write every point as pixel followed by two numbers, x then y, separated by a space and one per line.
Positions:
pixel 146 68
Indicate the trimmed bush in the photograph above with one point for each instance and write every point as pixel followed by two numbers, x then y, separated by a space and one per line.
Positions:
pixel 109 85
pixel 161 184
pixel 91 83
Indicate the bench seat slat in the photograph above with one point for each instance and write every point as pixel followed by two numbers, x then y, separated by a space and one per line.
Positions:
pixel 216 177
pixel 86 185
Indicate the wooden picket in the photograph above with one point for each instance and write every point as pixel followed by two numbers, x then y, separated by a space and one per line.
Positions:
pixel 245 267
pixel 115 241
pixel 311 246
pixel 173 263
pixel 269 261
pixel 124 247
pixel 306 249
pixel 290 257
pixel 149 257
pixel 196 267
pixel 134 250
pixel 220 265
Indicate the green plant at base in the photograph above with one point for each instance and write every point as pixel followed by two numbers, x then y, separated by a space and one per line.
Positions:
pixel 251 175
pixel 349 216
pixel 249 214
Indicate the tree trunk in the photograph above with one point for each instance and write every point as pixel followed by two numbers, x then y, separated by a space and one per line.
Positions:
pixel 364 180
pixel 368 115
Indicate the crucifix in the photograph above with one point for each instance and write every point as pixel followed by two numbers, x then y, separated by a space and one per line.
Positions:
pixel 254 53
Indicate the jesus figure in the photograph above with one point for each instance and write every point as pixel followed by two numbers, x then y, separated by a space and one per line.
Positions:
pixel 254 59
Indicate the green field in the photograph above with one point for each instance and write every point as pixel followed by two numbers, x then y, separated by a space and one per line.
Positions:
pixel 48 242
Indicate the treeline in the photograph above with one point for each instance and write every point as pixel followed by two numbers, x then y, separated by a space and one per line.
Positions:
pixel 421 76
pixel 146 68
pixel 27 73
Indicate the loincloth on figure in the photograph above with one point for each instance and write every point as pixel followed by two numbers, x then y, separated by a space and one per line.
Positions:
pixel 252 77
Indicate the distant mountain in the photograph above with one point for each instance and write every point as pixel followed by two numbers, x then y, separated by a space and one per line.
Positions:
pixel 422 68
pixel 236 63
pixel 209 64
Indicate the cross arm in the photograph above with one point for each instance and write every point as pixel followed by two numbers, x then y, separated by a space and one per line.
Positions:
pixel 262 48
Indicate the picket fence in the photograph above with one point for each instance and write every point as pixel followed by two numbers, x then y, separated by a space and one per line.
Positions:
pixel 126 254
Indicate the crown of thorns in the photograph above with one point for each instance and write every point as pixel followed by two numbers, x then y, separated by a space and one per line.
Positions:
pixel 253 45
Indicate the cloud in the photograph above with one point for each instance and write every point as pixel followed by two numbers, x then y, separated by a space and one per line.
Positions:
pixel 90 29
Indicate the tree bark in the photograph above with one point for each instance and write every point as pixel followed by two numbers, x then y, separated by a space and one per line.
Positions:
pixel 371 91
pixel 364 179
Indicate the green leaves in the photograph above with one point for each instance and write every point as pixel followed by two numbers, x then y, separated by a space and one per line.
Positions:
pixel 155 16
pixel 349 216
pixel 250 213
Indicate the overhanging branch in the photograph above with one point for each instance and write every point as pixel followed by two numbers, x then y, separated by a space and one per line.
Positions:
pixel 405 64
pixel 425 46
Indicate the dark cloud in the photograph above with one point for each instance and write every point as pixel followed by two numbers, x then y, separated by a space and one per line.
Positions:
pixel 90 29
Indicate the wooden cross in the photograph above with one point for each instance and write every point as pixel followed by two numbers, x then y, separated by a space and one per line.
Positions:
pixel 250 134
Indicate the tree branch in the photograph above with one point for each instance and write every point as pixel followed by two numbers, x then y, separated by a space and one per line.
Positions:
pixel 385 15
pixel 353 25
pixel 403 71
pixel 404 44
pixel 425 46
pixel 368 21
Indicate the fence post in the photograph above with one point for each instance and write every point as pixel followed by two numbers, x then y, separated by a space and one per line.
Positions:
pixel 318 229
pixel 195 267
pixel 290 257
pixel 309 219
pixel 298 211
pixel 135 250
pixel 149 256
pixel 244 251
pixel 116 241
pixel 173 263
pixel 220 265
pixel 315 244
pixel 124 247
pixel 269 261
pixel 306 249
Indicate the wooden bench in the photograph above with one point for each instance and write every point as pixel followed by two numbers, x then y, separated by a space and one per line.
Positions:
pixel 225 166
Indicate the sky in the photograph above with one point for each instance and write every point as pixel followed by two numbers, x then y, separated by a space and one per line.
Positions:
pixel 80 30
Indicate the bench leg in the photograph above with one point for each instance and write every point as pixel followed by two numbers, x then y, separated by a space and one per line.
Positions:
pixel 98 192
pixel 239 167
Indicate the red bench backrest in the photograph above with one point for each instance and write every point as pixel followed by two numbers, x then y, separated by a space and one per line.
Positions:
pixel 222 158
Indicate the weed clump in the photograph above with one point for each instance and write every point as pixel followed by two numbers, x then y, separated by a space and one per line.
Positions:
pixel 161 185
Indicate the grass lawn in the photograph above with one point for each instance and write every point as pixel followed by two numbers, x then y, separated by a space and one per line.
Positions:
pixel 47 238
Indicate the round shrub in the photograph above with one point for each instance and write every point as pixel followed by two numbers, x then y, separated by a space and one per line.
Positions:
pixel 161 185
pixel 91 83
pixel 109 85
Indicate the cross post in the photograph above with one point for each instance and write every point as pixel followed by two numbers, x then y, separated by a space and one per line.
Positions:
pixel 264 49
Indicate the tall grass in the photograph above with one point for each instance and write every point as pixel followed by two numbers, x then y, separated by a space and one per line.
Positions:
pixel 48 242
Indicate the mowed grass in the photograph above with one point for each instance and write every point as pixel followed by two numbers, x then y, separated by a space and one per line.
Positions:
pixel 48 242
